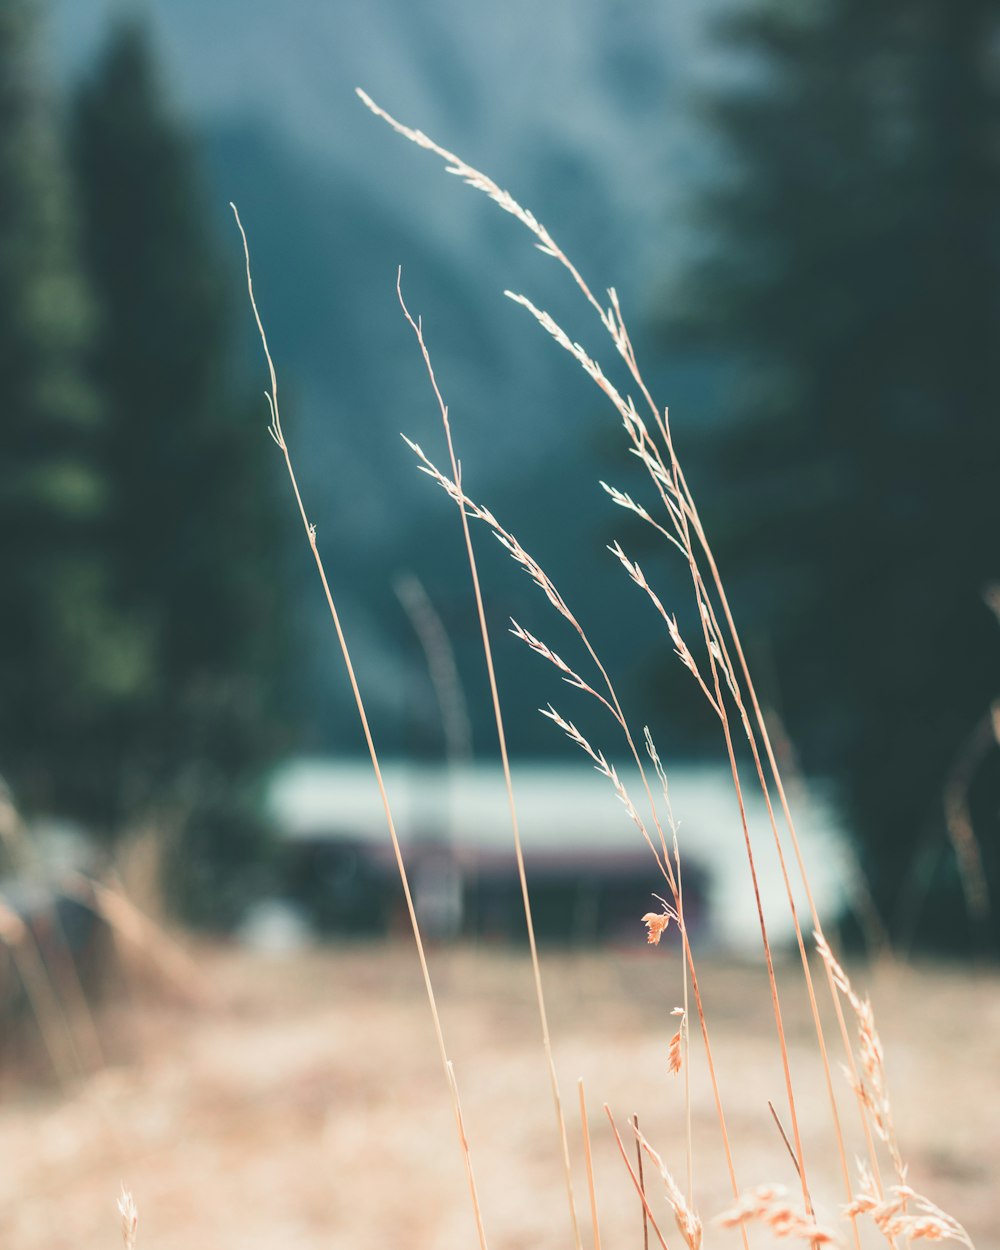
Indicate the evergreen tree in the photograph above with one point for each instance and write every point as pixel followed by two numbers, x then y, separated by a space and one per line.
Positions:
pixel 854 272
pixel 58 664
pixel 190 511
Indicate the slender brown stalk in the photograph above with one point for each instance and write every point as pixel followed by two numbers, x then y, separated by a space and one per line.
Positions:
pixel 642 1182
pixel 734 687
pixel 797 850
pixel 684 516
pixel 772 980
pixel 591 1188
pixel 277 435
pixel 665 481
pixel 635 1180
pixel 713 1079
pixel 675 496
pixel 784 1136
pixel 688 1221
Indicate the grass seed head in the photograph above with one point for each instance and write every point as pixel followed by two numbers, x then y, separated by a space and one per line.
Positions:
pixel 130 1218
pixel 656 923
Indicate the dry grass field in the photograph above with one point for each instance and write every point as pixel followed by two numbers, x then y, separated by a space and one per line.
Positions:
pixel 306 1107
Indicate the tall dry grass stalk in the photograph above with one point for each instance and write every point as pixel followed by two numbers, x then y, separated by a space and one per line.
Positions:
pixel 277 434
pixel 417 328
pixel 666 475
pixel 718 665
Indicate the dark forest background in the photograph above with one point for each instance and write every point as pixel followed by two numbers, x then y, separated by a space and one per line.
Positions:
pixel 820 308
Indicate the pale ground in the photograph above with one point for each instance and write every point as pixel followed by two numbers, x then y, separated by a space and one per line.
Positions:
pixel 307 1107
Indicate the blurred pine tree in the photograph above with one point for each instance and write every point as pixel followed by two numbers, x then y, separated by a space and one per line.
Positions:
pixel 191 530
pixel 58 665
pixel 853 269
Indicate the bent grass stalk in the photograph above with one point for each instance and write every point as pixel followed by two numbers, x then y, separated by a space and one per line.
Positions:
pixel 277 435
pixel 676 497
pixel 904 1212
pixel 612 321
pixel 804 876
pixel 682 511
pixel 667 482
pixel 639 1189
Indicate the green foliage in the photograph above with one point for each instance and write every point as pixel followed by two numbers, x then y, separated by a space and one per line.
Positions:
pixel 854 273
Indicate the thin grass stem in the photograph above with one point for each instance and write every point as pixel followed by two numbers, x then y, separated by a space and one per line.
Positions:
pixel 417 328
pixel 589 1159
pixel 278 436
pixel 635 1180
pixel 642 1183
pixel 514 548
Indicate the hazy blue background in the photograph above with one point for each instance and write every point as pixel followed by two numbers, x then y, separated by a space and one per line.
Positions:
pixel 797 206
pixel 585 115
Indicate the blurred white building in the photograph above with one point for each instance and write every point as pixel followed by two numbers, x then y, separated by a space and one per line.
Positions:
pixel 590 873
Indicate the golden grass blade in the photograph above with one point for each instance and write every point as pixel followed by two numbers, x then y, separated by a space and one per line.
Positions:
pixel 592 1191
pixel 279 438
pixel 642 1182
pixel 635 1180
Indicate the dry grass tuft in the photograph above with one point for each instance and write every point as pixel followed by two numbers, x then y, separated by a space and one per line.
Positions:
pixel 892 1216
pixel 769 1205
